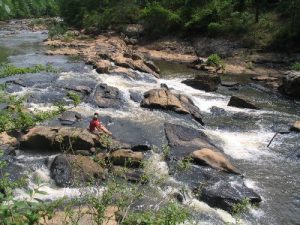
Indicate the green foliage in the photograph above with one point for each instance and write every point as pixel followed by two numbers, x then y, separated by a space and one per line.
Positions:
pixel 25 9
pixel 185 163
pixel 159 20
pixel 171 214
pixel 16 117
pixel 166 151
pixel 296 66
pixel 216 61
pixel 75 97
pixel 7 70
pixel 57 30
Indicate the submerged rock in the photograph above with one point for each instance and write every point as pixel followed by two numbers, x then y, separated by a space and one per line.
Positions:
pixel 165 99
pixel 214 159
pixel 291 84
pixel 229 83
pixel 207 83
pixel 107 97
pixel 240 102
pixel 73 170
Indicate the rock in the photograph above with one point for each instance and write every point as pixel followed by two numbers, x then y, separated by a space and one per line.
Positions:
pixel 291 84
pixel 216 111
pixel 225 195
pixel 133 175
pixel 137 56
pixel 83 152
pixel 264 78
pixel 8 140
pixel 229 83
pixel 207 83
pixel 73 170
pixel 214 159
pixel 152 66
pixel 133 30
pixel 126 157
pixel 240 102
pixel 107 97
pixel 81 88
pixel 69 117
pixel 165 99
pixel 136 96
pixel 296 126
pixel 58 139
pixel 185 140
pixel 164 86
pixel 141 148
pixel 102 66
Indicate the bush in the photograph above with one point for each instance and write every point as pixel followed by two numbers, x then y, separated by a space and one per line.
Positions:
pixel 57 30
pixel 214 29
pixel 159 20
pixel 296 66
pixel 215 60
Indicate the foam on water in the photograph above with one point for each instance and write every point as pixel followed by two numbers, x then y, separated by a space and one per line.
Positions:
pixel 40 180
pixel 248 145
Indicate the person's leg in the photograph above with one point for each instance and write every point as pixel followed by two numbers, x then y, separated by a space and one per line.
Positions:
pixel 103 128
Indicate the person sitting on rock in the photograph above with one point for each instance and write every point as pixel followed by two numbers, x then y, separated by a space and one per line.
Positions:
pixel 96 126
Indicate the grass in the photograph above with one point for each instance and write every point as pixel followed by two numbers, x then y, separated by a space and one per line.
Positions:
pixel 74 97
pixel 7 69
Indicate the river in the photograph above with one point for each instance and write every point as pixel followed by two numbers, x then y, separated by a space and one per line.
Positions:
pixel 243 134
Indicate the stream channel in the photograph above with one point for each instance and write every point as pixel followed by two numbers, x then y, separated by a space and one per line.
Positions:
pixel 243 134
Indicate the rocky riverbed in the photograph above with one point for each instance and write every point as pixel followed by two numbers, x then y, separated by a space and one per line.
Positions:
pixel 223 133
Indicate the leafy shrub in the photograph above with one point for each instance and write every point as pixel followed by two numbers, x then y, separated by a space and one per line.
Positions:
pixel 7 70
pixel 57 30
pixel 215 60
pixel 159 20
pixel 214 29
pixel 74 97
pixel 296 66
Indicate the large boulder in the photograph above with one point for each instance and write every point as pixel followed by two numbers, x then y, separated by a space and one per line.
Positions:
pixel 73 170
pixel 185 140
pixel 291 84
pixel 214 159
pixel 66 139
pixel 165 99
pixel 133 30
pixel 207 83
pixel 240 102
pixel 107 97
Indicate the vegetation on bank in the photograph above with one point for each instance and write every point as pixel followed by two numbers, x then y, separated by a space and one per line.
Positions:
pixel 12 9
pixel 7 70
pixel 266 23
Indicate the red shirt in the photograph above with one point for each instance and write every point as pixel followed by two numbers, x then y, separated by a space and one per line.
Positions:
pixel 94 124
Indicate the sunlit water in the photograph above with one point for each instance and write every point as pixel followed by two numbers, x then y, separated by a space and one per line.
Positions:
pixel 243 134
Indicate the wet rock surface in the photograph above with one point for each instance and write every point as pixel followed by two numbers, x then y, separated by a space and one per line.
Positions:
pixel 186 140
pixel 291 84
pixel 107 97
pixel 241 102
pixel 75 170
